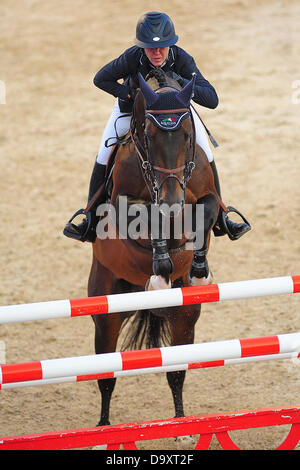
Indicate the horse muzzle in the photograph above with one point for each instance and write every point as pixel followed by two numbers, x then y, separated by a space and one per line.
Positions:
pixel 171 199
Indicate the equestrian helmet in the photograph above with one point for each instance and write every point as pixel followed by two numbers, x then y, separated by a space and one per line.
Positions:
pixel 155 30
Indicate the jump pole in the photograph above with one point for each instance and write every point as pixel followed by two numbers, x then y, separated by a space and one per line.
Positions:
pixel 151 370
pixel 158 357
pixel 150 299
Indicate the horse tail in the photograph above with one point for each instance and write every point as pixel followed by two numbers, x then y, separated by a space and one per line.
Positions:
pixel 146 330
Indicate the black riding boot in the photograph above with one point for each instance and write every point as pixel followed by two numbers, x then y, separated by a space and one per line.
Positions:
pixel 225 226
pixel 86 230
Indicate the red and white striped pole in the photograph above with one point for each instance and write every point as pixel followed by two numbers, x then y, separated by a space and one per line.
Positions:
pixel 152 370
pixel 150 299
pixel 158 357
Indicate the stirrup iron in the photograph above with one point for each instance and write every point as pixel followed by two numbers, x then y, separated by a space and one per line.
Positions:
pixel 86 235
pixel 226 228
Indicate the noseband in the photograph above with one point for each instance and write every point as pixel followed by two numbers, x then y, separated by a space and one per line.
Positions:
pixel 148 169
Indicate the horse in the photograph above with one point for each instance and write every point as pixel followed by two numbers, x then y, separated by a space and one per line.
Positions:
pixel 159 166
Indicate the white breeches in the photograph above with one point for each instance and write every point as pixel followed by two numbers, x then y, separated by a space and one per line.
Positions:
pixel 123 124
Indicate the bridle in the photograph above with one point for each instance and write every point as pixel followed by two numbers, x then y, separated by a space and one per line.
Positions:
pixel 147 167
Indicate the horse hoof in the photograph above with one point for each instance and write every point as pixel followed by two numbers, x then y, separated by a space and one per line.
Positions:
pixel 202 281
pixel 158 282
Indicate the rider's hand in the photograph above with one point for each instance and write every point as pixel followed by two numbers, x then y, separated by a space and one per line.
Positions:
pixel 132 94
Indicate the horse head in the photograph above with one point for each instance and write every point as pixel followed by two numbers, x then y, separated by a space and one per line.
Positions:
pixel 166 141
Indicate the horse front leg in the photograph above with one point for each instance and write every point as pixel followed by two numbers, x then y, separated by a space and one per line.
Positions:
pixel 199 271
pixel 162 265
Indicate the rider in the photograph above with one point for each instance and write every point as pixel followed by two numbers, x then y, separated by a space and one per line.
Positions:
pixel 155 49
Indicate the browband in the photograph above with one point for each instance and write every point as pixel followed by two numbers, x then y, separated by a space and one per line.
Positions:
pixel 169 120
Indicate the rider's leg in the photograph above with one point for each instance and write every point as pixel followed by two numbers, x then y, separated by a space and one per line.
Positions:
pixel 81 231
pixel 201 136
pixel 236 230
pixel 117 126
pixel 114 128
pixel 224 225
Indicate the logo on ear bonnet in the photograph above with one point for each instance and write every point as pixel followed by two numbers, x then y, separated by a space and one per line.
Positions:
pixel 170 122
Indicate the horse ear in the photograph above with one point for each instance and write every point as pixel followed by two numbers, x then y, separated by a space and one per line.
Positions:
pixel 186 94
pixel 150 95
pixel 139 112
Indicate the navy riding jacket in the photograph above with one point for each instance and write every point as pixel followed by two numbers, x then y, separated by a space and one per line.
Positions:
pixel 134 60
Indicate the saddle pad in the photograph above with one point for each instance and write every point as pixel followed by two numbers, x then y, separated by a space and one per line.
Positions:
pixel 168 122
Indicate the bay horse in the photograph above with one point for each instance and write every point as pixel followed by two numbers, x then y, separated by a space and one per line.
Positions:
pixel 160 166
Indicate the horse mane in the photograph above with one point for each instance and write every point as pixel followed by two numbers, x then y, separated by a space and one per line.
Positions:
pixel 158 78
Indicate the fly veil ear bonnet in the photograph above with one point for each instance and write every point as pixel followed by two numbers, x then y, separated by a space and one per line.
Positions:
pixel 168 109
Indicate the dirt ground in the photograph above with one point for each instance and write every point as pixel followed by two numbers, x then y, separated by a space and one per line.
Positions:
pixel 50 131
